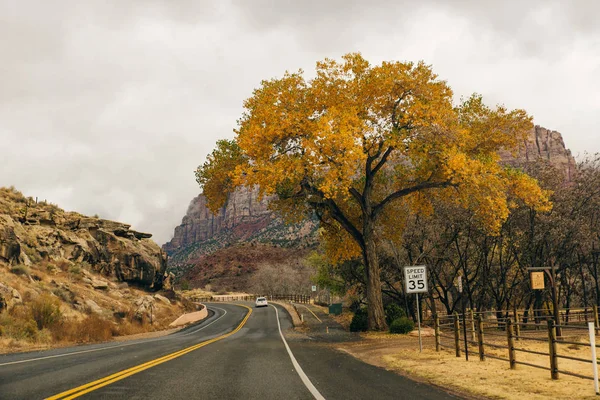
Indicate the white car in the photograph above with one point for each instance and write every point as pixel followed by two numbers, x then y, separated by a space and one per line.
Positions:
pixel 261 302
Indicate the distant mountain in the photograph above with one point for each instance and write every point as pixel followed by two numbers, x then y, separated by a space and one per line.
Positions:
pixel 247 219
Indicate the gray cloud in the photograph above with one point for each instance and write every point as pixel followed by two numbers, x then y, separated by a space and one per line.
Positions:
pixel 107 107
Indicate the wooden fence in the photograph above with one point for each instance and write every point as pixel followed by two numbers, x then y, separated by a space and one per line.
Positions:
pixel 296 298
pixel 457 332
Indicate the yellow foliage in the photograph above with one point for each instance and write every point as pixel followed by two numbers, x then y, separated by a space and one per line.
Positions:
pixel 365 146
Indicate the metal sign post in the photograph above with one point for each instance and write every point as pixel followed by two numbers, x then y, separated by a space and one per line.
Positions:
pixel 416 282
pixel 419 324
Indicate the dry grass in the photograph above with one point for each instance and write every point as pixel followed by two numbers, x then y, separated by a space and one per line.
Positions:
pixel 491 379
pixel 50 316
pixel 344 319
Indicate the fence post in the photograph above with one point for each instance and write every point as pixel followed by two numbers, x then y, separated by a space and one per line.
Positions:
pixel 596 323
pixel 436 322
pixel 511 343
pixel 592 334
pixel 517 323
pixel 552 346
pixel 480 338
pixel 473 335
pixel 457 334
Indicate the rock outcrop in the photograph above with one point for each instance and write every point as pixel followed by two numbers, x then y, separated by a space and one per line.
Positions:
pixel 33 232
pixel 546 145
pixel 200 224
pixel 244 218
pixel 9 296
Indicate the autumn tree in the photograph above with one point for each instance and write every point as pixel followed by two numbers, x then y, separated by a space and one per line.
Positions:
pixel 365 146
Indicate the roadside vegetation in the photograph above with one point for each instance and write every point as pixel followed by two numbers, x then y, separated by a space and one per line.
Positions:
pixel 50 304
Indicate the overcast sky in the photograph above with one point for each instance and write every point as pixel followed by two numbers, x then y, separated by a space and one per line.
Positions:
pixel 107 107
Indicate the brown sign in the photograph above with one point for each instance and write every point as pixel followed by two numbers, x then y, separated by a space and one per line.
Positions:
pixel 537 280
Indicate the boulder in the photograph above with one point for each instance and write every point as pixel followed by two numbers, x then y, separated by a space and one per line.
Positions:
pixel 145 305
pixel 93 306
pixel 99 284
pixel 10 248
pixel 9 296
pixel 162 299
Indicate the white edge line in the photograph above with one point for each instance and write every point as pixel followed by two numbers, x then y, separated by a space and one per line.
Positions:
pixel 111 347
pixel 313 390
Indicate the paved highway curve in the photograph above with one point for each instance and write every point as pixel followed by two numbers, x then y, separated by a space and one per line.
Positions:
pixel 236 353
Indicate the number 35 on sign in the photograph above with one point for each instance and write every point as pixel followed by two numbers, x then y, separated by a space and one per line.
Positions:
pixel 416 279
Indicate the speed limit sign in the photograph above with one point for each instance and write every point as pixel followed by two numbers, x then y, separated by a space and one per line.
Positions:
pixel 416 279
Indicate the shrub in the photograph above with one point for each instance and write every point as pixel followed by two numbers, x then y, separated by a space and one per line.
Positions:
pixel 19 269
pixel 86 265
pixel 75 269
pixel 91 329
pixel 45 311
pixel 17 324
pixel 94 329
pixel 359 321
pixel 64 295
pixel 402 325
pixel 63 264
pixel 392 312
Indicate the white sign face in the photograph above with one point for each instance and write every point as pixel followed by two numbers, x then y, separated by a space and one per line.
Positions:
pixel 314 288
pixel 416 279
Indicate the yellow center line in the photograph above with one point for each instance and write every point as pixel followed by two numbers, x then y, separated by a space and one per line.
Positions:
pixel 107 380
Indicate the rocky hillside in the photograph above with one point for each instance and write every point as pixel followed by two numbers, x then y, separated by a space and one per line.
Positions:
pixel 31 232
pixel 246 219
pixel 67 278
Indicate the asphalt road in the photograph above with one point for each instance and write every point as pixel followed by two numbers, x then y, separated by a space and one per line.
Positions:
pixel 217 359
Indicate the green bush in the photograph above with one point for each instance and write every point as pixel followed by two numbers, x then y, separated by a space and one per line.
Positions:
pixel 359 321
pixel 402 325
pixel 392 312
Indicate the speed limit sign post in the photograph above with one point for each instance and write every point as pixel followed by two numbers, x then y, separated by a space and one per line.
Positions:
pixel 416 282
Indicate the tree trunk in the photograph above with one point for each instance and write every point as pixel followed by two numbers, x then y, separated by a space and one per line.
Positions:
pixel 376 314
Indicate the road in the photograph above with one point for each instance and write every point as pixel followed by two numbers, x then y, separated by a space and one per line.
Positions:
pixel 236 353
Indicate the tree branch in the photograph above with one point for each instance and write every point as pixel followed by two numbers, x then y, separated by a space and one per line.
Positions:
pixel 358 197
pixel 405 192
pixel 383 160
pixel 336 213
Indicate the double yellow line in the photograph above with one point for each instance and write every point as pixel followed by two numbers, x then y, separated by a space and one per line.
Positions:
pixel 89 387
